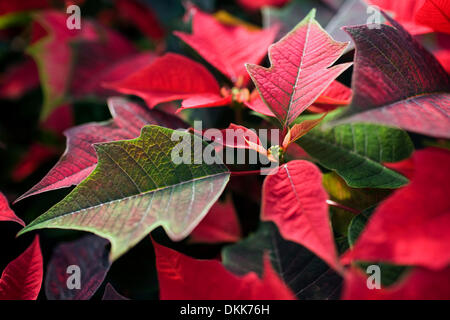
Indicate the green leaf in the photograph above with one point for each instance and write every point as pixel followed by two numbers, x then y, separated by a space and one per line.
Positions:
pixel 357 152
pixel 135 188
pixel 306 274
pixel 357 225
pixel 355 198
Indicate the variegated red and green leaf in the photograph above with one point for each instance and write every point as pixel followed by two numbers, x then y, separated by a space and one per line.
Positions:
pixel 57 49
pixel 136 187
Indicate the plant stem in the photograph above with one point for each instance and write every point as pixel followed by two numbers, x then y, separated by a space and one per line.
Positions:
pixel 341 206
pixel 250 173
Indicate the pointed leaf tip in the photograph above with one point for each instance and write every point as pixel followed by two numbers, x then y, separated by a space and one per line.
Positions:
pixel 22 277
pixel 137 187
pixel 301 69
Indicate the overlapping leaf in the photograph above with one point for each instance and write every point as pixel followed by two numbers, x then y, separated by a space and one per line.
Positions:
pixel 307 276
pixel 80 159
pixel 334 96
pixel 184 278
pixel 357 152
pixel 221 224
pixel 55 55
pixel 89 254
pixel 170 77
pixel 137 187
pixel 418 232
pixel 295 200
pixel 398 83
pixel 227 48
pixel 258 4
pixel 351 13
pixel 357 198
pixel 405 12
pixel 300 69
pixel 419 284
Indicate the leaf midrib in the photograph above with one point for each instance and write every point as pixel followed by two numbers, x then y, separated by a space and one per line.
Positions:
pixel 298 73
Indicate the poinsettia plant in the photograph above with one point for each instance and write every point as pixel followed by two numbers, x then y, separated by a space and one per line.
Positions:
pixel 260 150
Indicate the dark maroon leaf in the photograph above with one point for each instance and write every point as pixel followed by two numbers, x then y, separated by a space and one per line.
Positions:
pixel 397 82
pixel 90 255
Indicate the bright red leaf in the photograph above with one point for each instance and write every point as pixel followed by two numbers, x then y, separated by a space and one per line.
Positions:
pixel 435 14
pixel 295 200
pixel 80 158
pixel 170 77
pixel 404 12
pixel 443 56
pixel 258 4
pixel 255 103
pixel 405 167
pixel 184 278
pixel 226 47
pixel 6 214
pixel 419 284
pixel 412 227
pixel 22 277
pixel 221 224
pixel 205 101
pixel 300 71
pixel 334 96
